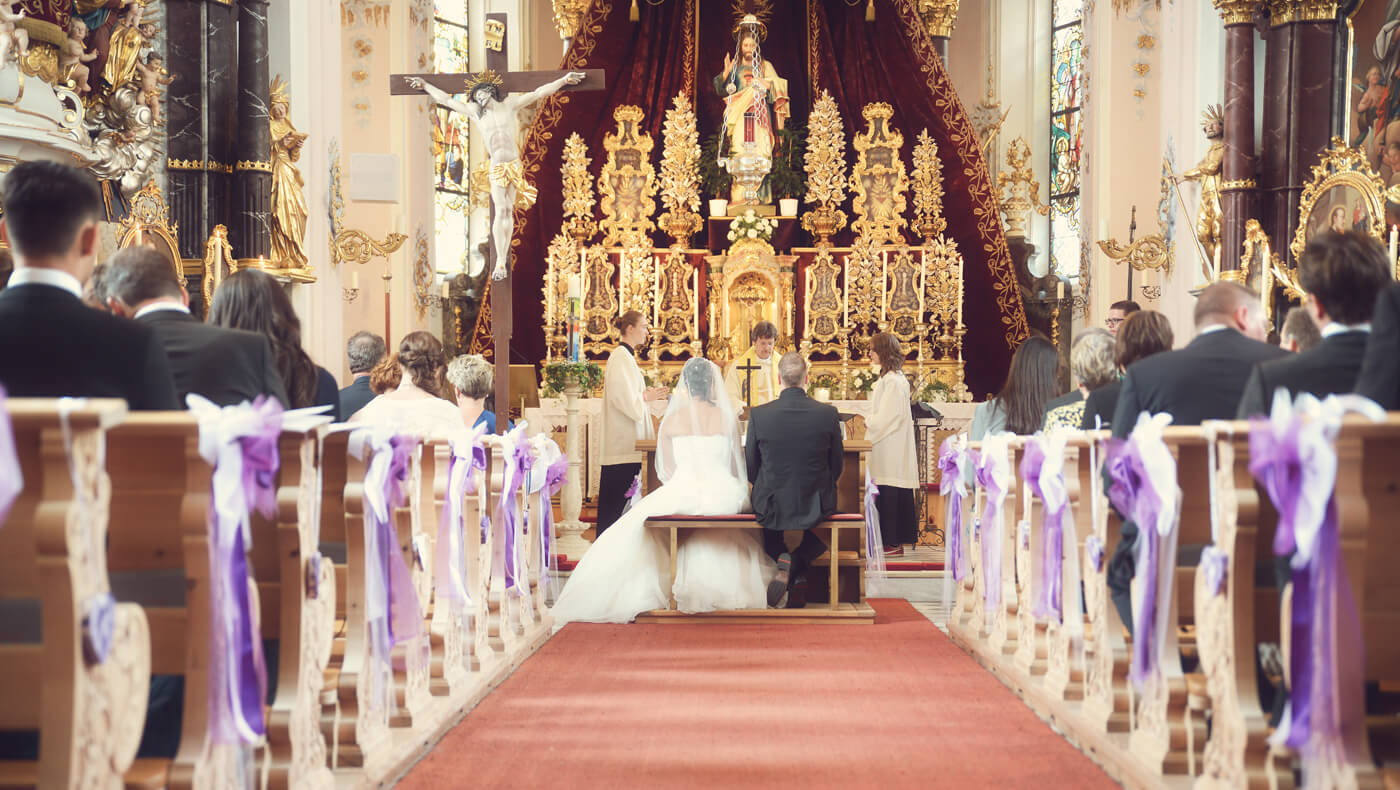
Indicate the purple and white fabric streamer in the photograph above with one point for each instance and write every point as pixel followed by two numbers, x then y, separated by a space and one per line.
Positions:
pixel 874 540
pixel 545 484
pixel 1293 455
pixel 1143 487
pixel 11 479
pixel 468 459
pixel 1043 469
pixel 240 443
pixel 519 457
pixel 953 466
pixel 994 476
pixel 393 615
pixel 1093 548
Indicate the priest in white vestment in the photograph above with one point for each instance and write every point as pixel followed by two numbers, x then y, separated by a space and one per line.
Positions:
pixel 752 379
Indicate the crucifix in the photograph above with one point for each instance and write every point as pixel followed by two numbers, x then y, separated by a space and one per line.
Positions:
pixel 748 367
pixel 497 97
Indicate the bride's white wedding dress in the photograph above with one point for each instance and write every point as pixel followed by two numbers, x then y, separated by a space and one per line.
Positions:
pixel 624 573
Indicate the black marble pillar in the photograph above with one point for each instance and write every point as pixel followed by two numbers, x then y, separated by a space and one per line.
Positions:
pixel 250 228
pixel 220 111
pixel 1273 148
pixel 1238 168
pixel 184 116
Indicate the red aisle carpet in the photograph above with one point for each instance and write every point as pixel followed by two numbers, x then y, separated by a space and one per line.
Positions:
pixel 736 706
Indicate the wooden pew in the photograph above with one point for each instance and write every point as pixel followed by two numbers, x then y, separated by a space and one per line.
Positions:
pixel 53 552
pixel 513 629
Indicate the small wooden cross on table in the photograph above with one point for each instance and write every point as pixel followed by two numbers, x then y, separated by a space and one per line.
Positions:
pixel 515 90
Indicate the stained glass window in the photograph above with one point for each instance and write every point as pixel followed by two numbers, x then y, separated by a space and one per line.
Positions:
pixel 1066 134
pixel 450 142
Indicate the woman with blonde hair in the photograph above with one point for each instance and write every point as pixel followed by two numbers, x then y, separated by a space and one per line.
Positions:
pixel 472 377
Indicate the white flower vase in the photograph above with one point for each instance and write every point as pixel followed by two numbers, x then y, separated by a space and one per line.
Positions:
pixel 822 394
pixel 787 207
pixel 719 207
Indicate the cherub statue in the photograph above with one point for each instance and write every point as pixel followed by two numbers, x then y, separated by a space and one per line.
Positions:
pixel 72 54
pixel 14 40
pixel 1207 171
pixel 153 76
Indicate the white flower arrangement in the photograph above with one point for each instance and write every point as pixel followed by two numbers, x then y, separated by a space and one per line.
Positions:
pixel 751 226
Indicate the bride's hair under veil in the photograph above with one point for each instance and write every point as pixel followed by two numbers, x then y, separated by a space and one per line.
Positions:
pixel 699 407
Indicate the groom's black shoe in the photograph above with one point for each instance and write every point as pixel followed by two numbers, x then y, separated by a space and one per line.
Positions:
pixel 797 593
pixel 779 585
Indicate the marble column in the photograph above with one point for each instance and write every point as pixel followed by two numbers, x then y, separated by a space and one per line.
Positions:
pixel 1297 109
pixel 1238 170
pixel 220 89
pixel 184 123
pixel 250 228
pixel 940 16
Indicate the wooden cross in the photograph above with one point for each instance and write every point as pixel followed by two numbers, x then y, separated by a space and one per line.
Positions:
pixel 749 367
pixel 502 319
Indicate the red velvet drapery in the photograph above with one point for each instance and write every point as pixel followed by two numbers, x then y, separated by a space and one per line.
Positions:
pixel 679 45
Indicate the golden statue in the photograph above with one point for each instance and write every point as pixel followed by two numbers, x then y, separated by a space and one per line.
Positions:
pixel 130 36
pixel 1207 171
pixel 1020 191
pixel 288 201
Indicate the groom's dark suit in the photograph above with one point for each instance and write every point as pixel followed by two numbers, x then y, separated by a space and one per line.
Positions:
pixel 793 453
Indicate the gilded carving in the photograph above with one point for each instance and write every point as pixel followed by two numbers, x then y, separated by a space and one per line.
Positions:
pixel 568 14
pixel 218 262
pixel 148 223
pixel 628 180
pixel 1019 191
pixel 940 16
pixel 823 301
pixel 599 301
pixel 928 189
pixel 825 163
pixel 423 274
pixel 1342 181
pixel 1283 12
pixel 1151 252
pixel 578 190
pixel 288 197
pixel 1237 12
pixel 680 172
pixel 879 180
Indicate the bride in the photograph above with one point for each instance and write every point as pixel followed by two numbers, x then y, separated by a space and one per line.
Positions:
pixel 701 468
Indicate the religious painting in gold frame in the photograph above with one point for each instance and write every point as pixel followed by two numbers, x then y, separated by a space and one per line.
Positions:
pixel 148 224
pixel 1345 194
pixel 628 180
pixel 879 180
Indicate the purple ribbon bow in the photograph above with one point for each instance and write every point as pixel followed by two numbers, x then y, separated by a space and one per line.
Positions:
pixel 991 535
pixel 461 480
pixel 950 465
pixel 1049 594
pixel 1326 706
pixel 508 511
pixel 11 480
pixel 874 540
pixel 395 618
pixel 554 478
pixel 1137 500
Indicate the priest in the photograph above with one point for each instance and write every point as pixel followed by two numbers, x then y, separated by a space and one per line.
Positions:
pixel 752 379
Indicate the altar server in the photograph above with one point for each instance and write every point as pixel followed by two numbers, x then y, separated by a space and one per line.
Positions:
pixel 890 430
pixel 752 379
pixel 626 418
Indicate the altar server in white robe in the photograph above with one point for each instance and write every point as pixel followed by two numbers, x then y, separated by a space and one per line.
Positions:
pixel 626 418
pixel 755 370
pixel 893 464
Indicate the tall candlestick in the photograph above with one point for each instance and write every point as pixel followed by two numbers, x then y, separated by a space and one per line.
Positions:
pixel 1217 262
pixel 923 282
pixel 621 284
pixel 656 294
pixel 1394 237
pixel 575 286
pixel 884 278
pixel 807 303
pixel 695 302
pixel 846 294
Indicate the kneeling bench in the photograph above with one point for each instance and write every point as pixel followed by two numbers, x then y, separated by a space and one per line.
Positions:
pixel 852 557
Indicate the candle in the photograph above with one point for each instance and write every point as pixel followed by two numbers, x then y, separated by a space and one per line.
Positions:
pixel 447 290
pixel 575 286
pixel 1059 290
pixel 621 284
pixel 960 298
pixel 355 279
pixel 695 301
pixel 1394 237
pixel 884 278
pixel 807 306
pixel 846 295
pixel 656 296
pixel 923 282
pixel 1217 262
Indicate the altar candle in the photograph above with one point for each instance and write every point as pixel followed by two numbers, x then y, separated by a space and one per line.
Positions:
pixel 447 291
pixel 1394 237
pixel 1059 290
pixel 656 298
pixel 575 286
pixel 884 279
pixel 355 279
pixel 923 282
pixel 1217 262
pixel 621 284
pixel 807 304
pixel 695 301
pixel 846 295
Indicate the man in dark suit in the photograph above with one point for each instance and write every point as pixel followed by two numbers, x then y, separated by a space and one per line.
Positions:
pixel 1204 380
pixel 793 453
pixel 227 366
pixel 364 350
pixel 1340 273
pixel 51 344
pixel 1380 371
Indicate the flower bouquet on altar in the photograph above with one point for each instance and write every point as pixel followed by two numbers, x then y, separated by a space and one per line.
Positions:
pixel 751 226
pixel 863 381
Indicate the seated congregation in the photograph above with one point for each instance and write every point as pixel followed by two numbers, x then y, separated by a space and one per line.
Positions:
pixel 1190 580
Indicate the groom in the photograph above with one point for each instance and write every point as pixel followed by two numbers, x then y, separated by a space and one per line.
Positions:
pixel 793 452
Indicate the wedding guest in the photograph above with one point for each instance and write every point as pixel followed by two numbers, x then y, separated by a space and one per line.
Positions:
pixel 51 344
pixel 1145 333
pixel 1204 380
pixel 1299 333
pixel 626 418
pixel 1020 405
pixel 755 369
pixel 417 404
pixel 1118 312
pixel 364 350
pixel 473 377
pixel 1380 371
pixel 890 430
pixel 252 301
pixel 1091 362
pixel 1339 272
pixel 227 366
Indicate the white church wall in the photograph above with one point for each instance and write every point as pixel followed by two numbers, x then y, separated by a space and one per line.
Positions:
pixel 1019 44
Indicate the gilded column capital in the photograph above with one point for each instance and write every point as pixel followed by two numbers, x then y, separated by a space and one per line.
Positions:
pixel 1237 12
pixel 940 16
pixel 1283 12
pixel 568 14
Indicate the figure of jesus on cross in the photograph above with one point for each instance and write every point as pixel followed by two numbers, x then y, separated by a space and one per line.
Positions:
pixel 497 117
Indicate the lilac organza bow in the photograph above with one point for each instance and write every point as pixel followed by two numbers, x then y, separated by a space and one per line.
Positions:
pixel 519 457
pixel 874 540
pixel 993 475
pixel 1293 455
pixel 393 615
pixel 1142 486
pixel 952 460
pixel 1043 470
pixel 468 458
pixel 240 443
pixel 555 476
pixel 11 480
